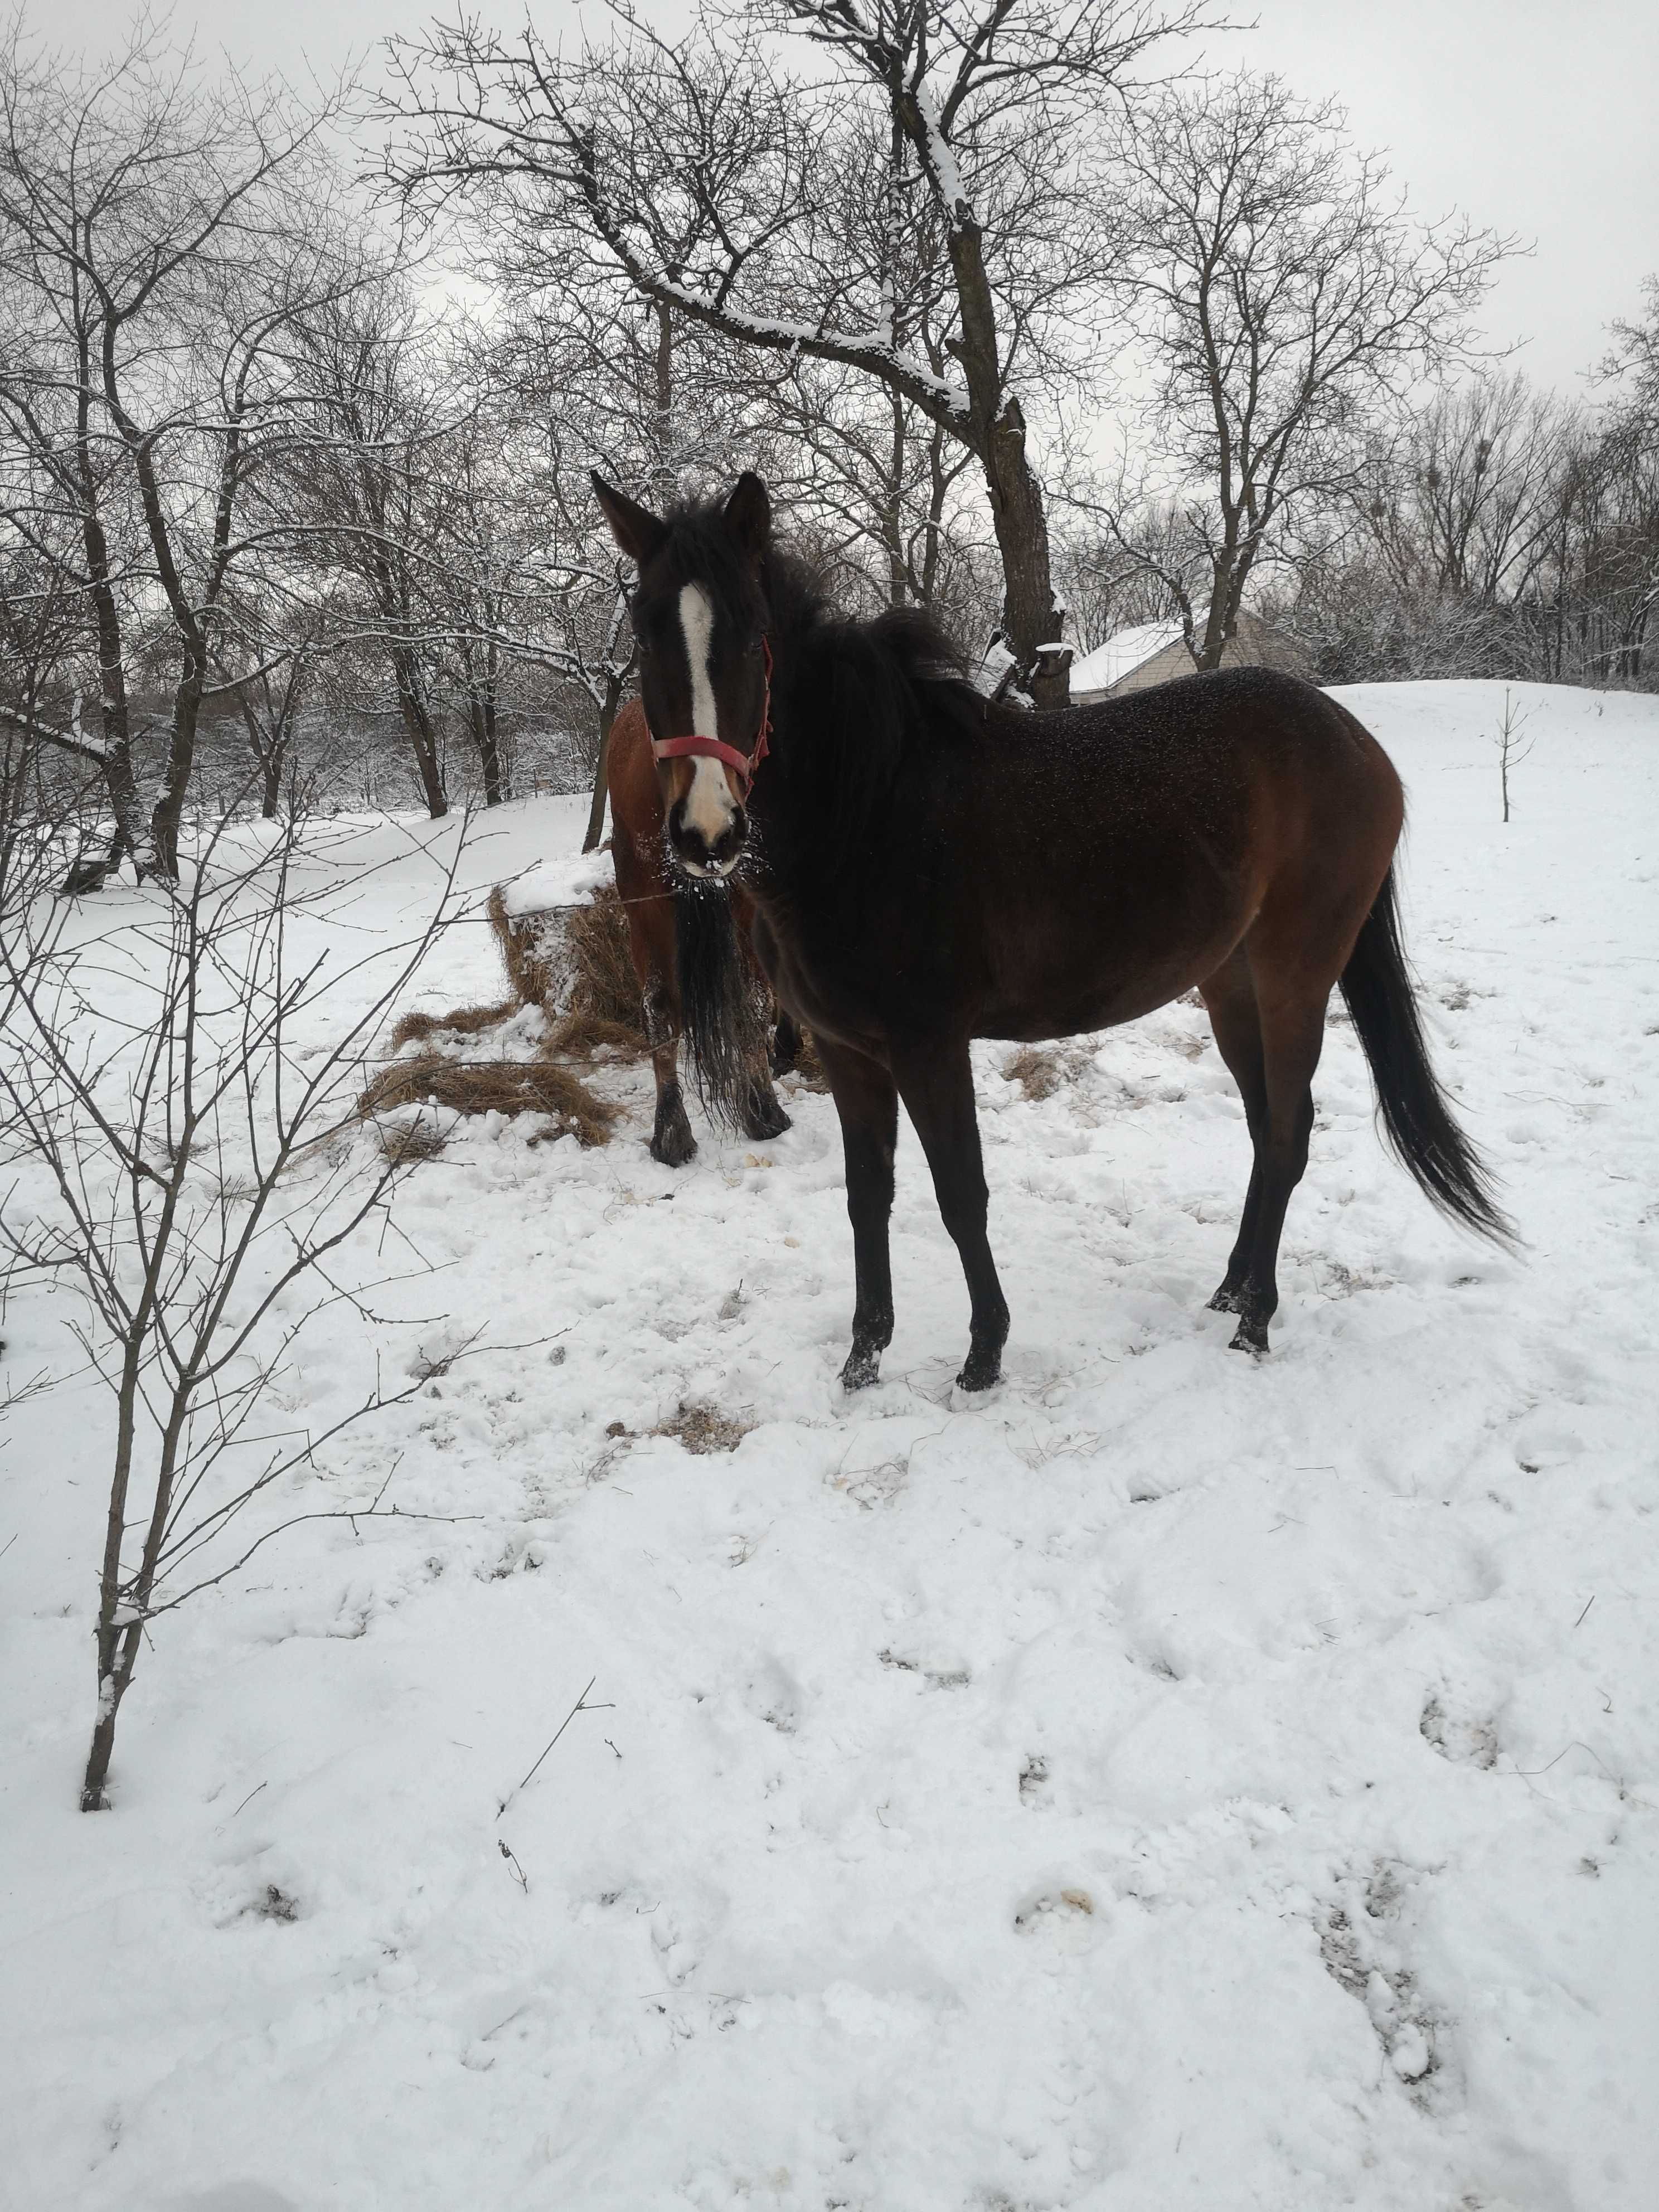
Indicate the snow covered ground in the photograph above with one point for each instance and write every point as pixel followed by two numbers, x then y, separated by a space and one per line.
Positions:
pixel 1173 1783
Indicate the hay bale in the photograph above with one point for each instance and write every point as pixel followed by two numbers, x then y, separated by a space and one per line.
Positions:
pixel 576 964
pixel 603 989
pixel 533 950
pixel 494 1086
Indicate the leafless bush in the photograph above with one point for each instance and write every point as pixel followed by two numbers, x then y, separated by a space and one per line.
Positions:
pixel 1511 751
pixel 176 1080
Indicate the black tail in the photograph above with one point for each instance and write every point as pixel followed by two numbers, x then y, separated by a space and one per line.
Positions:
pixel 720 1004
pixel 1416 1117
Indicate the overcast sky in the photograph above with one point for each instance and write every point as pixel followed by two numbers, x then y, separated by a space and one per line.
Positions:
pixel 1533 116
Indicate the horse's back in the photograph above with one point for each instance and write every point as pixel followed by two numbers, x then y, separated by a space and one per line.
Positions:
pixel 1255 705
pixel 1210 753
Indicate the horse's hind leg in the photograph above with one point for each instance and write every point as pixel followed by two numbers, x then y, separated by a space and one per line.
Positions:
pixel 763 1110
pixel 936 1086
pixel 1229 996
pixel 1291 1018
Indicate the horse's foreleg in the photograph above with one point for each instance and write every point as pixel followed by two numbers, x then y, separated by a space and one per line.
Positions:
pixel 671 1140
pixel 651 946
pixel 938 1089
pixel 867 1104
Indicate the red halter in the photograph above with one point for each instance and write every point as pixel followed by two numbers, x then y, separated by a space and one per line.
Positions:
pixel 712 749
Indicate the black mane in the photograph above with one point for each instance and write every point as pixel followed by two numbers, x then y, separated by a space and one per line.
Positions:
pixel 855 700
pixel 901 671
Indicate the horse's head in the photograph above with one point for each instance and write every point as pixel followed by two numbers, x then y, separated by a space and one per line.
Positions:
pixel 705 666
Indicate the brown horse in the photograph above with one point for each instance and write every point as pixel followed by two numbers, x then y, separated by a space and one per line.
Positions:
pixel 929 867
pixel 675 924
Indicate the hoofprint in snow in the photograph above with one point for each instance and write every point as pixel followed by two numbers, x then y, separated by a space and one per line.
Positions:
pixel 1171 1782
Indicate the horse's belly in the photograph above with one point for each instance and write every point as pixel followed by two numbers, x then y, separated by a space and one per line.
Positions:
pixel 1126 977
pixel 1074 1016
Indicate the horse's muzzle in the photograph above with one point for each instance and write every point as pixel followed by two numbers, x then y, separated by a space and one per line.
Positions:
pixel 700 855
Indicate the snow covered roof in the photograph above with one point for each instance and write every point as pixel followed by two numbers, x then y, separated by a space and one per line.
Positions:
pixel 1110 663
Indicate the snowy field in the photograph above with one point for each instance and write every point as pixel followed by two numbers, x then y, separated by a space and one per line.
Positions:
pixel 1170 1785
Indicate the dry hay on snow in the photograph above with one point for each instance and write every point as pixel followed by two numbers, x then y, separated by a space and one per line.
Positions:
pixel 808 1070
pixel 603 1007
pixel 493 1086
pixel 405 1144
pixel 699 1427
pixel 1039 1073
pixel 460 1021
pixel 576 964
pixel 573 964
pixel 532 947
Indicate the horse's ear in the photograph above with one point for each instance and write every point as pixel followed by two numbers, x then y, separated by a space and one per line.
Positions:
pixel 638 531
pixel 749 515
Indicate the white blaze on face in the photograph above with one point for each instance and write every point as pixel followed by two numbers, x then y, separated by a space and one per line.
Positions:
pixel 709 805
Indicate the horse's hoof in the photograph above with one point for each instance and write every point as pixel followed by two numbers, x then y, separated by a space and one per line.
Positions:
pixel 767 1119
pixel 1226 1300
pixel 862 1369
pixel 1251 1336
pixel 980 1370
pixel 673 1145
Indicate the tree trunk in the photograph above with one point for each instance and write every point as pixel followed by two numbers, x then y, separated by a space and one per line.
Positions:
pixel 270 798
pixel 1226 588
pixel 114 721
pixel 114 1675
pixel 181 755
pixel 1030 614
pixel 423 741
pixel 483 714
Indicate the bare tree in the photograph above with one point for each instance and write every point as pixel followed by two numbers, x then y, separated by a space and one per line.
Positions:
pixel 358 488
pixel 1287 304
pixel 160 236
pixel 1511 751
pixel 168 1083
pixel 697 168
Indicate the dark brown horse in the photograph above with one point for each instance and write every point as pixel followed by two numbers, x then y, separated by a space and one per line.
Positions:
pixel 676 925
pixel 928 867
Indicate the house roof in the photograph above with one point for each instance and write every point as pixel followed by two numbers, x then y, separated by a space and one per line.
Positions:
pixel 1110 663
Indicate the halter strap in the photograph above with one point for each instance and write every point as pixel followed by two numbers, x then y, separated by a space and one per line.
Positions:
pixel 713 749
